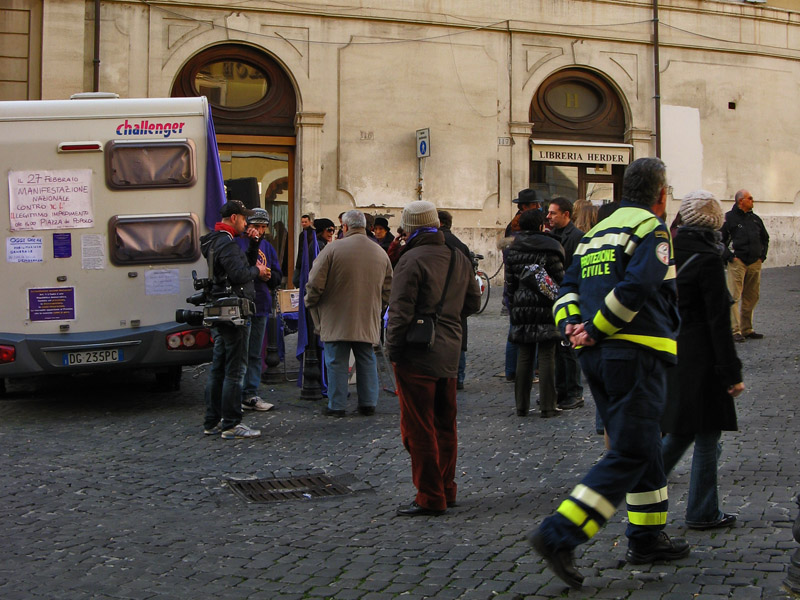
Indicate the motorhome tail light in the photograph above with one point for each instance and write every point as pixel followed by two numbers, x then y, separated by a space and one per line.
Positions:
pixel 80 147
pixel 8 354
pixel 190 339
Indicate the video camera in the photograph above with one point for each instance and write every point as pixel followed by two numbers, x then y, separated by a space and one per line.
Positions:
pixel 220 307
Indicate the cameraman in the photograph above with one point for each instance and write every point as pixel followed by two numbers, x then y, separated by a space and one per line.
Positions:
pixel 237 270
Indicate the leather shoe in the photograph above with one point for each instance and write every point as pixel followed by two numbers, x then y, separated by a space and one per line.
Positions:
pixel 662 548
pixel 560 562
pixel 571 403
pixel 415 510
pixel 726 520
pixel 332 413
pixel 738 337
pixel 367 411
pixel 547 414
pixel 755 336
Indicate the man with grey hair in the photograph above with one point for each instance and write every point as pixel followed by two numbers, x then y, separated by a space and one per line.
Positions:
pixel 618 306
pixel 744 231
pixel 347 291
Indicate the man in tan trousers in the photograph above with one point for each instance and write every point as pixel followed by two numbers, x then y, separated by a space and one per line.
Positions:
pixel 746 243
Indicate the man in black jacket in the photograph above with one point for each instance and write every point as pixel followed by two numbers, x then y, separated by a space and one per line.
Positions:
pixel 234 268
pixel 568 371
pixel 745 232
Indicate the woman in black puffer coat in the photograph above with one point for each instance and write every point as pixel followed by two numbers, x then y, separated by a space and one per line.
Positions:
pixel 531 312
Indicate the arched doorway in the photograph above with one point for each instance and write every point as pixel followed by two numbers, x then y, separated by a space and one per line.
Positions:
pixel 253 104
pixel 578 134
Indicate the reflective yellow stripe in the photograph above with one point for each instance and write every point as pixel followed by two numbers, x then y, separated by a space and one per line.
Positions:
pixel 574 309
pixel 661 344
pixel 573 512
pixel 640 498
pixel 591 528
pixel 618 308
pixel 640 518
pixel 603 324
pixel 560 315
pixel 578 516
pixel 593 500
pixel 671 273
pixel 611 239
pixel 646 227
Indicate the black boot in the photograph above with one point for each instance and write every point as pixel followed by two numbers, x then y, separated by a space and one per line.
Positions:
pixel 561 562
pixel 662 548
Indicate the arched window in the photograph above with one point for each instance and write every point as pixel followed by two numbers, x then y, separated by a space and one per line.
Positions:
pixel 577 104
pixel 249 92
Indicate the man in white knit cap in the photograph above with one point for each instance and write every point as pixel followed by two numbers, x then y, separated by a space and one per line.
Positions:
pixel 429 279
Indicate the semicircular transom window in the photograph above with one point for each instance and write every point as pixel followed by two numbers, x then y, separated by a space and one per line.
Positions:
pixel 249 91
pixel 577 104
pixel 573 100
pixel 231 83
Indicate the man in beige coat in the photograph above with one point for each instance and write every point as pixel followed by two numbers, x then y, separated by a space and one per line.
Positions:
pixel 347 291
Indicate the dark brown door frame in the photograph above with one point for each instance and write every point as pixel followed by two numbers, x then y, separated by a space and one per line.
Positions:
pixel 227 142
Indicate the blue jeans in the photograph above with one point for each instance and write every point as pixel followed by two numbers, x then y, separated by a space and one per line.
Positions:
pixel 462 367
pixel 337 360
pixel 702 508
pixel 224 386
pixel 252 376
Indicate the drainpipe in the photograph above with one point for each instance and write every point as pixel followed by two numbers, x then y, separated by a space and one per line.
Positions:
pixel 96 59
pixel 656 79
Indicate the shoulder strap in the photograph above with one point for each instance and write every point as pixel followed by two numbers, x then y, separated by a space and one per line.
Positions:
pixel 446 281
pixel 683 266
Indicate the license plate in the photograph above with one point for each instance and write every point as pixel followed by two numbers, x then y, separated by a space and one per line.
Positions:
pixel 92 357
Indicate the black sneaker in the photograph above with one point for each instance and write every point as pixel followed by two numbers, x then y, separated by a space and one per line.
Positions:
pixel 560 562
pixel 662 548
pixel 367 411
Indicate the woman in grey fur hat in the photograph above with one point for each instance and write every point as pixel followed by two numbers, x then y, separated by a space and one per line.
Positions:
pixel 709 374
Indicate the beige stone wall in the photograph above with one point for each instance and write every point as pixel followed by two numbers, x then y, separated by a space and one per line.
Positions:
pixel 368 73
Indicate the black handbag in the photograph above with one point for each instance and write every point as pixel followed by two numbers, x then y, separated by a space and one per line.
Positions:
pixel 421 331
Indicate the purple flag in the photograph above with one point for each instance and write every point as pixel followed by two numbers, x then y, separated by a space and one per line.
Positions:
pixel 215 188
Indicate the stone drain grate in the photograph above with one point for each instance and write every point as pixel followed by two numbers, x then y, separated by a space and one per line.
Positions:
pixel 293 488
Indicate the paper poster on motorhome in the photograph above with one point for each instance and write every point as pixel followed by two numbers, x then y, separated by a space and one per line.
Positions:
pixel 50 199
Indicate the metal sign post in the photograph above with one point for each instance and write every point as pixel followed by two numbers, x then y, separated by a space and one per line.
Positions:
pixel 423 151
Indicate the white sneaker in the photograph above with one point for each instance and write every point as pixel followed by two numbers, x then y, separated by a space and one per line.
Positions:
pixel 256 403
pixel 241 431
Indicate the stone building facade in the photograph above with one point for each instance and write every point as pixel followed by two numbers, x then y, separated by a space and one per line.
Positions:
pixel 317 106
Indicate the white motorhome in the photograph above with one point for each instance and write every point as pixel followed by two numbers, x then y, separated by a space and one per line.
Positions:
pixel 103 205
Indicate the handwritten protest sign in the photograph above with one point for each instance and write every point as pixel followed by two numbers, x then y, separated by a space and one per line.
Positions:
pixel 50 199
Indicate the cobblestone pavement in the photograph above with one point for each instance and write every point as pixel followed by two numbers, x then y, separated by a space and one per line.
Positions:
pixel 109 490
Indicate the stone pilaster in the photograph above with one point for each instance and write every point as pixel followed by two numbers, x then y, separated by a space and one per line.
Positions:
pixel 520 156
pixel 308 184
pixel 642 141
pixel 63 28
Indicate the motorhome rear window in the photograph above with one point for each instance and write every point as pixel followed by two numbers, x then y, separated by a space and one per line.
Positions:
pixel 150 164
pixel 154 239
